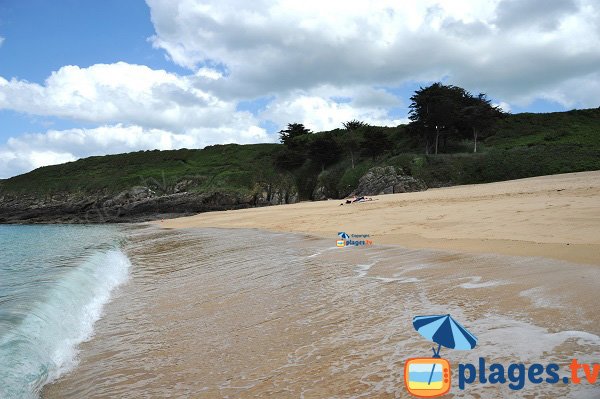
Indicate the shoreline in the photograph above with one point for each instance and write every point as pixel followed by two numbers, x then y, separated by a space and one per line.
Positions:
pixel 270 314
pixel 556 217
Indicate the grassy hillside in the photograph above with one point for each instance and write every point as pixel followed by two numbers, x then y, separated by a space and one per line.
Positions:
pixel 576 127
pixel 219 167
pixel 520 145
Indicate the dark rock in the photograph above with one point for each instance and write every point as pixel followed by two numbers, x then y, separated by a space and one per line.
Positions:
pixel 183 186
pixel 285 192
pixel 387 180
pixel 277 197
pixel 124 207
pixel 319 193
pixel 132 205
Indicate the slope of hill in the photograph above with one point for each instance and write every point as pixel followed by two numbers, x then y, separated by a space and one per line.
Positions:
pixel 229 166
pixel 150 184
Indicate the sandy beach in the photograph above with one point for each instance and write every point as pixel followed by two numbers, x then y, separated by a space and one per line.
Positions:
pixel 556 217
pixel 219 307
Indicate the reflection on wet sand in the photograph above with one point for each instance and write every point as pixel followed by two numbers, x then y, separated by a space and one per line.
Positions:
pixel 244 313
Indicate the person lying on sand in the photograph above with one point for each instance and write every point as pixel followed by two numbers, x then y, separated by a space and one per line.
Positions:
pixel 349 200
pixel 359 199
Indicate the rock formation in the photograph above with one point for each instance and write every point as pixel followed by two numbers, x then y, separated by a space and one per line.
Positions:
pixel 387 180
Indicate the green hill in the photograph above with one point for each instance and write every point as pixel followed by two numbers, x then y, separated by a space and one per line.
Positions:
pixel 521 145
pixel 219 167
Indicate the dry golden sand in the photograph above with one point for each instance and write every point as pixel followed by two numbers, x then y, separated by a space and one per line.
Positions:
pixel 551 216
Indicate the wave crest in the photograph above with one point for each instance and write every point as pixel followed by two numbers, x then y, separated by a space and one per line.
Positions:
pixel 43 346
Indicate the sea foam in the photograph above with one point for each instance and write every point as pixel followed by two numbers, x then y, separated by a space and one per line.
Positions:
pixel 43 345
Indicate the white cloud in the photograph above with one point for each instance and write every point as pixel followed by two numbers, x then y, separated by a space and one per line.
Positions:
pixel 505 107
pixel 319 62
pixel 138 108
pixel 511 49
pixel 209 73
pixel 1 40
pixel 319 110
pixel 519 14
pixel 121 93
pixel 141 108
pixel 155 109
pixel 560 93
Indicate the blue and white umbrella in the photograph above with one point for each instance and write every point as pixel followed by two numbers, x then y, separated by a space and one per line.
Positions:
pixel 444 331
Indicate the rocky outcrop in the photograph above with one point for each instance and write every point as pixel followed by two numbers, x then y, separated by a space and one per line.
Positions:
pixel 284 191
pixel 152 199
pixel 320 193
pixel 277 197
pixel 133 205
pixel 387 180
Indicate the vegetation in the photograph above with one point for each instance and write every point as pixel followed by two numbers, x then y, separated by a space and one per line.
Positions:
pixel 290 135
pixel 228 167
pixel 375 142
pixel 444 111
pixel 453 138
pixel 354 125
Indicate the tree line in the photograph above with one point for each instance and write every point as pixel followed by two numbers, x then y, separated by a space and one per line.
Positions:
pixel 438 114
pixel 327 148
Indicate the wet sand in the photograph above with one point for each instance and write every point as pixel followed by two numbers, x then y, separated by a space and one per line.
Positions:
pixel 238 313
pixel 556 217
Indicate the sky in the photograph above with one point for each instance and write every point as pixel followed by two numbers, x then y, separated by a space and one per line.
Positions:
pixel 87 77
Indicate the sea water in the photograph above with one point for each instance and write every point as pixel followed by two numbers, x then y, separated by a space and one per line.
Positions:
pixel 54 282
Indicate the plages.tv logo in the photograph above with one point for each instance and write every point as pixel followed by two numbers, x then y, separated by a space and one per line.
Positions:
pixel 356 240
pixel 428 377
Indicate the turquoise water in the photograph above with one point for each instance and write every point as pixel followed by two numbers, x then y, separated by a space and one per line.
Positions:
pixel 54 281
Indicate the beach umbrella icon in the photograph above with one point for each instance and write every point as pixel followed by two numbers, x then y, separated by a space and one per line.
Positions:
pixel 444 331
pixel 343 235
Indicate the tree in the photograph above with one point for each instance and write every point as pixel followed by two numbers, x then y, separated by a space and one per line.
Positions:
pixel 289 159
pixel 295 139
pixel 350 141
pixel 293 131
pixel 323 150
pixel 479 115
pixel 375 142
pixel 435 111
pixel 354 125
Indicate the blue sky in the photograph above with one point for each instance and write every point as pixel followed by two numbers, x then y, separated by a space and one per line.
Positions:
pixel 81 78
pixel 46 35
